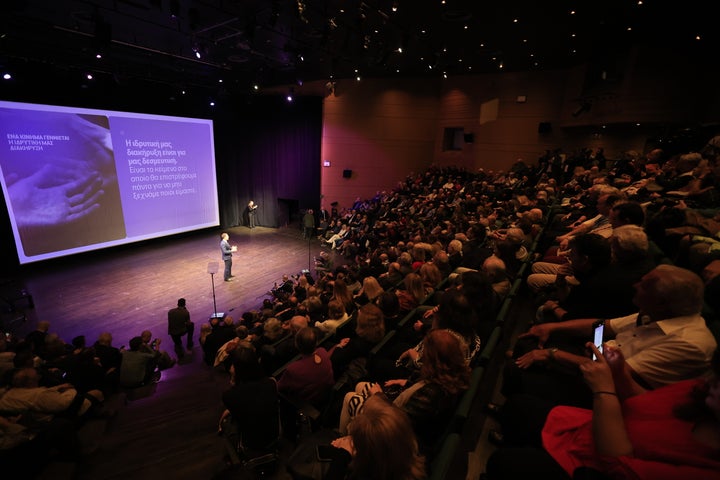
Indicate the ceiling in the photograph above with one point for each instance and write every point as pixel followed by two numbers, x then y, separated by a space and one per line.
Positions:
pixel 237 44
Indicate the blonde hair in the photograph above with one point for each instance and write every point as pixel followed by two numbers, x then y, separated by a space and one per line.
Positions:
pixel 371 288
pixel 385 444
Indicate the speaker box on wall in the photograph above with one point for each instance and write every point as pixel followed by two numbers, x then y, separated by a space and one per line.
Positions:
pixel 469 137
pixel 544 127
pixel 347 173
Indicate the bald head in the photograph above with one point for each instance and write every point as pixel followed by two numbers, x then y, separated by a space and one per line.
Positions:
pixel 298 322
pixel 668 291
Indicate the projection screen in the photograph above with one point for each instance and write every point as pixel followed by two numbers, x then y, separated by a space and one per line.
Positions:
pixel 78 179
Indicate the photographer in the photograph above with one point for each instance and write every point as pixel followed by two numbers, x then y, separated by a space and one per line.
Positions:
pixel 138 368
pixel 152 346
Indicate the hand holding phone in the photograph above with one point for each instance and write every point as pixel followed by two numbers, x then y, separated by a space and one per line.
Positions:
pixel 325 453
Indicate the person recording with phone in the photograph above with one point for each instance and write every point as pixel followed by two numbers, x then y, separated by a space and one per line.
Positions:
pixel 667 341
pixel 667 433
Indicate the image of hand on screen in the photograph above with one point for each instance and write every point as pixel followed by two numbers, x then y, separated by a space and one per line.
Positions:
pixel 55 194
pixel 59 171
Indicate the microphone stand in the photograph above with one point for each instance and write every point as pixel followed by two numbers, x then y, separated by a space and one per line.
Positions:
pixel 212 280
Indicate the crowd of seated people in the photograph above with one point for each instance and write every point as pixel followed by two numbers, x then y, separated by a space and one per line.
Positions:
pixel 641 263
pixel 444 248
pixel 611 224
pixel 50 389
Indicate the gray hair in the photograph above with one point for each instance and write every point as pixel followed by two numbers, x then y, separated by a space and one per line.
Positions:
pixel 629 242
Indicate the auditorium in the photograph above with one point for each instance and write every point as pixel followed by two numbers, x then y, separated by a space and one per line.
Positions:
pixel 345 239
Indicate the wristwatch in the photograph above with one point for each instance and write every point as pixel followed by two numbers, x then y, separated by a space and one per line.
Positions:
pixel 551 353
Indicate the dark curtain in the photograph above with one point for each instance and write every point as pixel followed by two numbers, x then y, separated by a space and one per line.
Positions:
pixel 268 151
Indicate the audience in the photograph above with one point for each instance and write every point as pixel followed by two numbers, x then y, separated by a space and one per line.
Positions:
pixel 310 377
pixel 380 445
pixel 610 227
pixel 138 368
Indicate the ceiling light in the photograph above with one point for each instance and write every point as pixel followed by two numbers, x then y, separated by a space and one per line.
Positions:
pixel 395 6
pixel 7 76
pixel 89 76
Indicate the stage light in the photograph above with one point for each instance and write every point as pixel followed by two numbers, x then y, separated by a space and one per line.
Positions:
pixel 98 56
pixel 256 87
pixel 7 76
pixel 89 76
pixel 289 96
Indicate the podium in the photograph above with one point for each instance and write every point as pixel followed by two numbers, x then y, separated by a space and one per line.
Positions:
pixel 212 269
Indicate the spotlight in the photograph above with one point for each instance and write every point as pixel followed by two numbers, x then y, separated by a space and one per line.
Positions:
pixel 289 97
pixel 89 76
pixel 7 76
pixel 196 50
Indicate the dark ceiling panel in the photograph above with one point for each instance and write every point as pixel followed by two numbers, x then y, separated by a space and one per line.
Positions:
pixel 276 42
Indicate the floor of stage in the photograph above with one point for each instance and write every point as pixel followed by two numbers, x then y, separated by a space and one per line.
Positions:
pixel 127 290
pixel 172 432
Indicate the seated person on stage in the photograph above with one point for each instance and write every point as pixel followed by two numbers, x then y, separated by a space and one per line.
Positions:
pixel 26 397
pixel 138 368
pixel 110 359
pixel 150 345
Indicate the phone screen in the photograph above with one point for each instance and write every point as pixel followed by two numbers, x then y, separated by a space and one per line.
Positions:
pixel 598 338
pixel 325 453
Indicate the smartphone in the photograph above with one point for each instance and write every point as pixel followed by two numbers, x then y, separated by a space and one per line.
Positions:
pixel 598 330
pixel 325 453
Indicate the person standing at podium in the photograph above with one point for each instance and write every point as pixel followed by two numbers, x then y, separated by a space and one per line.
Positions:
pixel 227 251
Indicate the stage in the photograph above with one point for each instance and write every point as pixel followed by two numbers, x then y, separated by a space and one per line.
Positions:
pixel 130 289
pixel 172 432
